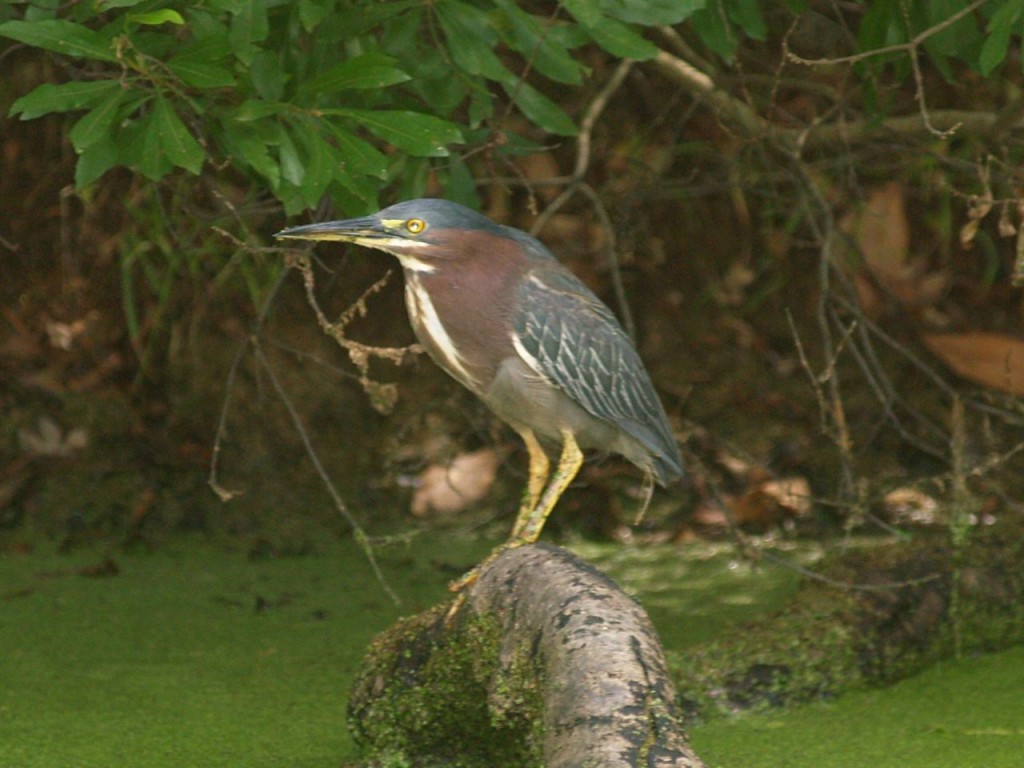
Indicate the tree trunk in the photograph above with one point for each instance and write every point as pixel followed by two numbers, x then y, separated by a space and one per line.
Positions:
pixel 547 663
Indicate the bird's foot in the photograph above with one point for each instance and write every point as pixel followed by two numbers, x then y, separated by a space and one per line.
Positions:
pixel 473 574
pixel 455 607
pixel 467 578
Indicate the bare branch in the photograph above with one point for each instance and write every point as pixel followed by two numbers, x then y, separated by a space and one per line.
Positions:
pixel 577 184
pixel 909 46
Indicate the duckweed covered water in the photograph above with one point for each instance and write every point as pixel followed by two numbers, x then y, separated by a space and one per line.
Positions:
pixel 198 656
pixel 190 656
pixel 960 714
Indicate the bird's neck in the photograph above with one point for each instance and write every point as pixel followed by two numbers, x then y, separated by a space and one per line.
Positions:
pixel 472 302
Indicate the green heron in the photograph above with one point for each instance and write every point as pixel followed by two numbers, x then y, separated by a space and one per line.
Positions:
pixel 497 311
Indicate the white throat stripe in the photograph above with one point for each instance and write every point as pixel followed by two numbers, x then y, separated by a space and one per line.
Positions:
pixel 424 318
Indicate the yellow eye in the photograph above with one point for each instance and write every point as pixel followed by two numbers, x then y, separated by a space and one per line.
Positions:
pixel 415 226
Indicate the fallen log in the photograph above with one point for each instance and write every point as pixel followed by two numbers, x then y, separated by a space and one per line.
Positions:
pixel 870 617
pixel 547 662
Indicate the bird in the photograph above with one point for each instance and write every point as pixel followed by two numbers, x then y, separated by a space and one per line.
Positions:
pixel 501 315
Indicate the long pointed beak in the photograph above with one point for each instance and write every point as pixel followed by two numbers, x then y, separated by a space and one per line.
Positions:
pixel 350 231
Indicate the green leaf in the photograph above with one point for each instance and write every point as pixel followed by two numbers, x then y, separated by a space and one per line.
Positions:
pixel 539 109
pixel 96 160
pixel 459 184
pixel 586 12
pixel 538 44
pixel 619 40
pixel 156 18
pixel 649 12
pixel 267 77
pixel 201 74
pixel 62 37
pixel 481 106
pixel 106 5
pixel 748 17
pixel 993 50
pixel 211 44
pixel 346 186
pixel 358 156
pixel 710 26
pixel 95 125
pixel 882 25
pixel 312 13
pixel 372 70
pixel 256 109
pixel 247 148
pixel 65 97
pixel 175 141
pixel 321 165
pixel 291 165
pixel 471 38
pixel 1000 27
pixel 962 38
pixel 142 147
pixel 413 132
pixel 248 27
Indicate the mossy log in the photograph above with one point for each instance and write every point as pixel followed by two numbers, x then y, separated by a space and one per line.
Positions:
pixel 872 616
pixel 547 663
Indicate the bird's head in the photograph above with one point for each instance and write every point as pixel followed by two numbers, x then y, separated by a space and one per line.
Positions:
pixel 424 234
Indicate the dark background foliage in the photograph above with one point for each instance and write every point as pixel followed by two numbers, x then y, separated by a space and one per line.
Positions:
pixel 712 168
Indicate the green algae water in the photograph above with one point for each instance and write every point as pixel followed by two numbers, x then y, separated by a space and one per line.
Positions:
pixel 189 656
pixel 965 713
pixel 199 656
pixel 959 714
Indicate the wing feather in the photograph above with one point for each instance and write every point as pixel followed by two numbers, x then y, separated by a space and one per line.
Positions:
pixel 576 342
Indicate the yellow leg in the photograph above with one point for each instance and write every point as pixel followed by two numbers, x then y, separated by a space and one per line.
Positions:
pixel 527 530
pixel 537 505
pixel 540 470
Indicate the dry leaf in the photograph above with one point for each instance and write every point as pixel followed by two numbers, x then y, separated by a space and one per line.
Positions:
pixel 541 167
pixel 49 440
pixel 990 359
pixel 451 488
pixel 771 502
pixel 977 208
pixel 882 233
pixel 732 290
pixel 909 505
pixel 63 335
pixel 793 494
pixel 881 230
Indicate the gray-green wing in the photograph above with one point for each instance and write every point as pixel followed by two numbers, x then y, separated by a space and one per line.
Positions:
pixel 577 343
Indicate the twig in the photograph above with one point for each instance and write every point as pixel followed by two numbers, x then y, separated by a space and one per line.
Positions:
pixel 847 586
pixel 736 112
pixel 382 396
pixel 910 45
pixel 357 530
pixel 252 341
pixel 911 48
pixel 830 407
pixel 576 184
pixel 229 388
pixel 878 380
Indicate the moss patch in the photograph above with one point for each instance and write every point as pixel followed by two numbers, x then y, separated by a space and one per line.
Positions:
pixel 426 693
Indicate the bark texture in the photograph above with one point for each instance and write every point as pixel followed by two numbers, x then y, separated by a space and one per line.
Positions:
pixel 547 663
